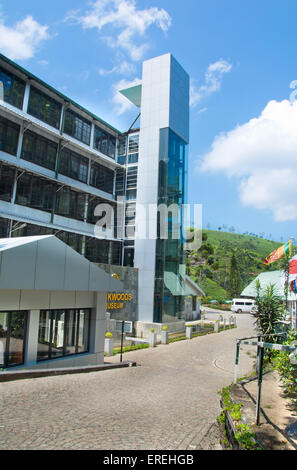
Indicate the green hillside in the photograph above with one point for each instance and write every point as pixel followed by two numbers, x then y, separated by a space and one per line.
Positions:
pixel 209 266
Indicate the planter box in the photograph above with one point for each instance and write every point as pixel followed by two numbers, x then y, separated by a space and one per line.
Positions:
pixel 152 339
pixel 108 346
pixel 189 332
pixel 164 337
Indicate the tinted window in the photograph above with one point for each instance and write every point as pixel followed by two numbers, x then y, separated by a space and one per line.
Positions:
pixel 104 142
pixel 7 177
pixel 102 178
pixel 14 88
pixel 9 136
pixel 39 150
pixel 73 165
pixel 77 127
pixel 44 108
pixel 70 204
pixel 35 192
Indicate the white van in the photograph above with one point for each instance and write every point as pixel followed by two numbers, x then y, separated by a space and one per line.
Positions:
pixel 243 306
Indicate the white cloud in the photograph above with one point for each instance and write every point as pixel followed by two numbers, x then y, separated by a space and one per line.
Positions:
pixel 124 24
pixel 20 42
pixel 124 68
pixel 261 154
pixel 121 103
pixel 212 81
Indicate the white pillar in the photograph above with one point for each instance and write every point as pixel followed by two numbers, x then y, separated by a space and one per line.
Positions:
pixel 32 337
pixel 98 327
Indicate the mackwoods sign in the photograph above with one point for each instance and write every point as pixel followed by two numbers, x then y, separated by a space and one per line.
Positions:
pixel 116 301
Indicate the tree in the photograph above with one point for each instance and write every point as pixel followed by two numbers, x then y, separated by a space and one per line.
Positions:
pixel 269 311
pixel 234 279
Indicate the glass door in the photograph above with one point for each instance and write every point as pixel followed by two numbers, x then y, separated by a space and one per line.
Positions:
pixel 12 338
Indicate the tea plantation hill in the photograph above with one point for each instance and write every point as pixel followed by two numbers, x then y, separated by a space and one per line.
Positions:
pixel 210 265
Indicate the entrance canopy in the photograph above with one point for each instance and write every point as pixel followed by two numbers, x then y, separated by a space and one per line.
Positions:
pixel 181 285
pixel 46 263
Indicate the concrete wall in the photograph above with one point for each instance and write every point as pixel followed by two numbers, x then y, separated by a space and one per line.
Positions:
pixel 129 278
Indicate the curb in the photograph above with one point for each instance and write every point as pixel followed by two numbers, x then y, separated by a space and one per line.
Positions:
pixel 32 374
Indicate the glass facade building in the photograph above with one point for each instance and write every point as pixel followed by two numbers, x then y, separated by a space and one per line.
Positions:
pixel 170 253
pixel 59 161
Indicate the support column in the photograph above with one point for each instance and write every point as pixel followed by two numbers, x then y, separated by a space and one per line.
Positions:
pixel 32 337
pixel 98 327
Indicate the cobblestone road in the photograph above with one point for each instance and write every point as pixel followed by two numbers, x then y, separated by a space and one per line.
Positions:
pixel 168 402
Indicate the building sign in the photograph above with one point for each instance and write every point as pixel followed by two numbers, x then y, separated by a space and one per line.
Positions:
pixel 117 301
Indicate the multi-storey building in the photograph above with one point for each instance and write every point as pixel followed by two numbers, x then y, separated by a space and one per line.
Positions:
pixel 58 161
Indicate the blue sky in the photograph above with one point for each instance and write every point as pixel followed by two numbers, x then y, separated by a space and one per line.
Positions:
pixel 241 57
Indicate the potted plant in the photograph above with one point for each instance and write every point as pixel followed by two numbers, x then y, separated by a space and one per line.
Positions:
pixel 152 338
pixel 108 345
pixel 164 335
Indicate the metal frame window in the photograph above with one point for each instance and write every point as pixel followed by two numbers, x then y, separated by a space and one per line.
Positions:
pixel 7 178
pixel 73 165
pixel 9 136
pixel 4 227
pixel 70 203
pixel 63 333
pixel 104 142
pixel 44 107
pixel 73 240
pixel 39 150
pixel 77 127
pixel 133 146
pixel 102 178
pixel 14 88
pixel 35 192
pixel 132 177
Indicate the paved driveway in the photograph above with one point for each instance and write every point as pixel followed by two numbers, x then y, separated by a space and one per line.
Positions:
pixel 169 401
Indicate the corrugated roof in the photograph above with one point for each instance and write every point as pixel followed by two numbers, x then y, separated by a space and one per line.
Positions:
pixel 276 278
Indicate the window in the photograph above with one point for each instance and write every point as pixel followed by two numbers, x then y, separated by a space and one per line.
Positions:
pixel 35 192
pixel 131 194
pixel 92 204
pixel 120 182
pixel 133 144
pixel 70 204
pixel 39 150
pixel 104 142
pixel 122 148
pixel 97 250
pixel 73 165
pixel 14 88
pixel 9 136
pixel 44 108
pixel 7 177
pixel 4 227
pixel 20 229
pixel 77 127
pixel 132 177
pixel 71 239
pixel 63 333
pixel 102 178
pixel 12 338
